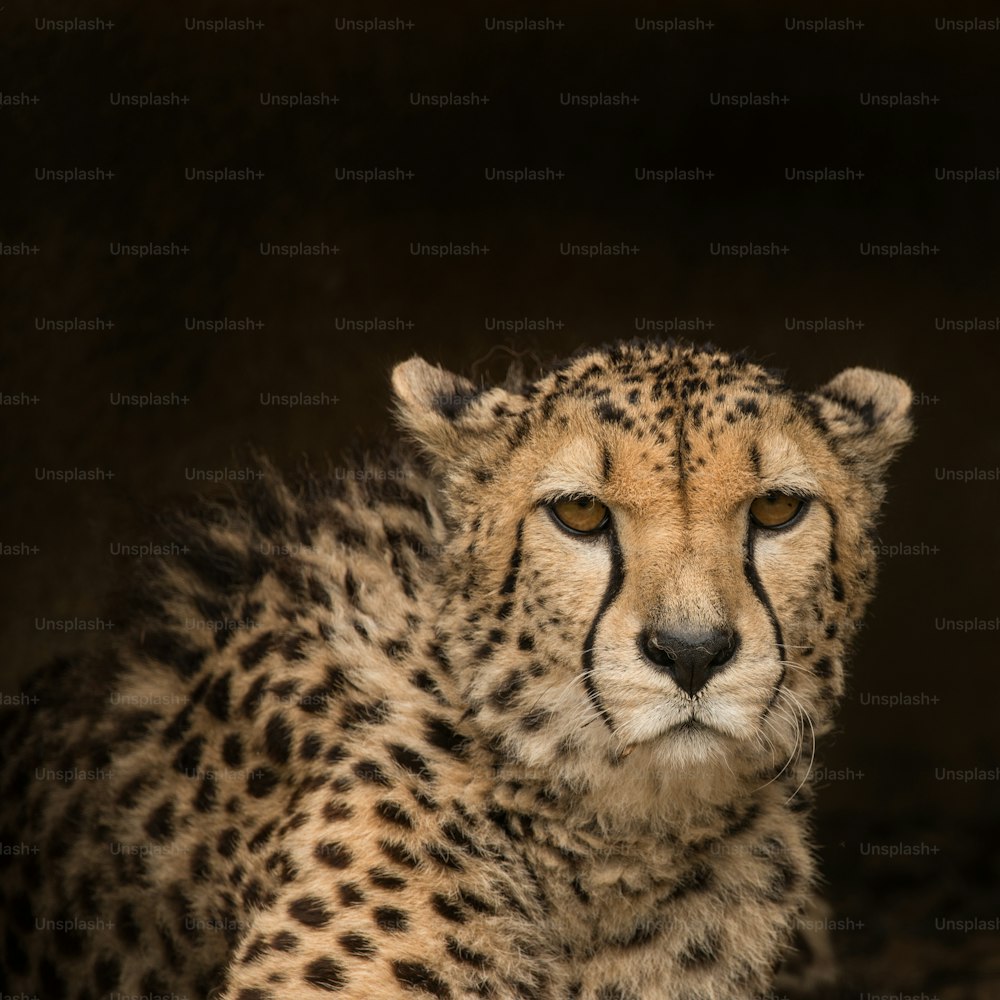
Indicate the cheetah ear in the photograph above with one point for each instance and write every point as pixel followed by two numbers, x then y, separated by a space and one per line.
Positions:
pixel 868 416
pixel 445 412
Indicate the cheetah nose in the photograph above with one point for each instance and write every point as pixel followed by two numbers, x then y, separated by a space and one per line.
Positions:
pixel 691 660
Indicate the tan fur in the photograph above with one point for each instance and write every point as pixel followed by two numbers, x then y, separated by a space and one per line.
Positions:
pixel 436 794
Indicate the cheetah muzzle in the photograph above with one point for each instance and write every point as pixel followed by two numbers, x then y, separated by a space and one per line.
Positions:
pixel 523 705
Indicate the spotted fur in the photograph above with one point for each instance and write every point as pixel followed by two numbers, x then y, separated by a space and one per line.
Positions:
pixel 420 752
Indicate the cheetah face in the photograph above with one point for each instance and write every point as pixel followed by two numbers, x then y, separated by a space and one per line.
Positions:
pixel 657 549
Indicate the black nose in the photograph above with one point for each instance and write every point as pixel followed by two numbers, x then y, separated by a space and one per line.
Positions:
pixel 690 659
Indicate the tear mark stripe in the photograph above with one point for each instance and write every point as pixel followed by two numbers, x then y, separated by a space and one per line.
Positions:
pixel 616 581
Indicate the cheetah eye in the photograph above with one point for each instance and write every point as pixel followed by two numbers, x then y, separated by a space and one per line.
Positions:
pixel 775 510
pixel 580 515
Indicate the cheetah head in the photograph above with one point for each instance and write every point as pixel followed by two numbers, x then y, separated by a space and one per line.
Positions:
pixel 654 551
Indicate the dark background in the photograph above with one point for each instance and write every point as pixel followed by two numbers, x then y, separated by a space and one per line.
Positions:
pixel 885 784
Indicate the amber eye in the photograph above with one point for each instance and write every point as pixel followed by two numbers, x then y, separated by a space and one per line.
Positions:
pixel 583 515
pixel 775 509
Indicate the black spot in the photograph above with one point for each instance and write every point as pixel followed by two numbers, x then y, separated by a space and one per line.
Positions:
pixel 460 838
pixel 204 801
pixel 189 756
pixel 386 879
pixel 310 911
pixel 507 690
pixel 439 733
pixel 445 908
pixel 335 811
pixel 525 641
pixel 317 699
pixel 695 879
pixel 280 863
pixel 837 587
pixel 424 800
pixel 262 836
pixel 369 772
pixel 261 781
pixel 278 738
pixel 357 944
pixel 398 853
pixel 232 750
pixel 393 812
pixel 178 725
pixel 700 953
pixel 217 699
pixel 748 406
pixel 228 841
pixel 333 854
pixel 823 667
pixel 410 760
pixel 129 795
pixel 444 857
pixel 201 867
pixel 284 941
pixel 160 824
pixel 743 822
pixel 350 894
pixel 325 974
pixel 609 413
pixel 396 648
pixel 351 589
pixel 135 725
pixel 866 411
pixel 360 713
pixel 293 645
pixel 642 934
pixel 453 404
pixel 390 919
pixel 461 953
pixel 254 696
pixel 502 819
pixel 535 719
pixel 318 593
pixel 311 746
pixel 418 977
pixel 254 652
pixel 255 950
pixel 578 888
pixel 783 880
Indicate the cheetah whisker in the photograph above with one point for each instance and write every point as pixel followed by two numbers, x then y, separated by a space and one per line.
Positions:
pixel 812 743
pixel 782 712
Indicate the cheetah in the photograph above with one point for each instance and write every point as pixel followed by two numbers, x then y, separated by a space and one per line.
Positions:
pixel 521 706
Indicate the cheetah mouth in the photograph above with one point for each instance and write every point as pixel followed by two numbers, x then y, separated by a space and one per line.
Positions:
pixel 691 725
pixel 684 730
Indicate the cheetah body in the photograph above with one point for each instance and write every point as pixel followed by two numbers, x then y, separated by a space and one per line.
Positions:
pixel 420 754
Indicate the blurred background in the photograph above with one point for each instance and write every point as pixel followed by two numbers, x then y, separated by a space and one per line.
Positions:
pixel 202 213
